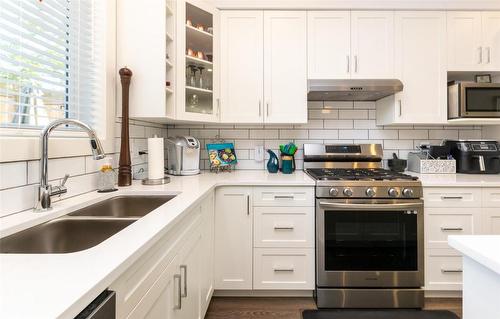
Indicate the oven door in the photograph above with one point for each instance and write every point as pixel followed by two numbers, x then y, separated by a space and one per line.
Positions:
pixel 479 99
pixel 369 243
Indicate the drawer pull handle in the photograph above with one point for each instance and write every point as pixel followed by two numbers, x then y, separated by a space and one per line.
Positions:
pixel 451 197
pixel 283 227
pixel 283 196
pixel 184 270
pixel 444 271
pixel 452 228
pixel 179 298
pixel 283 269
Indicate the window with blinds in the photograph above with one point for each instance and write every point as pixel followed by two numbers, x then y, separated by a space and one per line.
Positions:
pixel 51 61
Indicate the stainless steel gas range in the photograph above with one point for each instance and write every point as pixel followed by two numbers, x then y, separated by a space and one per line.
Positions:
pixel 369 229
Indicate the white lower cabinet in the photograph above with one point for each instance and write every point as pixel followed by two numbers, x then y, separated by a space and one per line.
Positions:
pixel 264 238
pixel 172 280
pixel 455 211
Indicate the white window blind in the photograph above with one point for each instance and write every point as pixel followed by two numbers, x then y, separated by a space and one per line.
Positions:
pixel 51 61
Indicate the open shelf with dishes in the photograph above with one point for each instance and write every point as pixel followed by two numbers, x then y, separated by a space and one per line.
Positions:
pixel 198 56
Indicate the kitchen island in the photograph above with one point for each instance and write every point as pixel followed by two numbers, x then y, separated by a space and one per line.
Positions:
pixel 481 275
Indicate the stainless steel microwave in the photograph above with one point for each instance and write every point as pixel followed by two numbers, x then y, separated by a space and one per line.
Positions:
pixel 475 100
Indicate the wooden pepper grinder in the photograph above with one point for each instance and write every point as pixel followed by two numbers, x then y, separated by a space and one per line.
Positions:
pixel 124 169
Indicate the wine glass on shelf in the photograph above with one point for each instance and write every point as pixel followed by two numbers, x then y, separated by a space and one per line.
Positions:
pixel 201 81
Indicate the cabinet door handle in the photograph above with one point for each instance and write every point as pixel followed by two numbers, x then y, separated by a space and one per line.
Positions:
pixel 267 109
pixel 184 270
pixel 348 64
pixel 218 108
pixel 451 197
pixel 452 228
pixel 248 205
pixel 444 271
pixel 278 269
pixel 260 108
pixel 400 108
pixel 488 54
pixel 283 227
pixel 283 197
pixel 480 55
pixel 179 298
pixel 356 64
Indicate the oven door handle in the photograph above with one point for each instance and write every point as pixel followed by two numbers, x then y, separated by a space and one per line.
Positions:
pixel 371 206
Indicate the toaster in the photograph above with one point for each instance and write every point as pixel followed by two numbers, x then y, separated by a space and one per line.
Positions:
pixel 183 155
pixel 475 156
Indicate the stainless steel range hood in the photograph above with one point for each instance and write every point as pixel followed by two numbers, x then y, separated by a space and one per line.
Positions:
pixel 352 90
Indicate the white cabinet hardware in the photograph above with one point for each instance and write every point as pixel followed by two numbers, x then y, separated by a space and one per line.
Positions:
pixel 183 269
pixel 451 270
pixel 452 228
pixel 179 293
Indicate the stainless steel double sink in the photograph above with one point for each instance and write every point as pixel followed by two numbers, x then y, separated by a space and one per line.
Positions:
pixel 83 228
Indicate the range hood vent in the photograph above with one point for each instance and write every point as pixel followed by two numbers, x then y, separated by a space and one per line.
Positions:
pixel 352 90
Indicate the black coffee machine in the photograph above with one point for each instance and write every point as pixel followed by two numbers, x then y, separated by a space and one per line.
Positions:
pixel 475 156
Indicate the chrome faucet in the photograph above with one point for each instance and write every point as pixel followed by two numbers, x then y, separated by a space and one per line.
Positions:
pixel 46 191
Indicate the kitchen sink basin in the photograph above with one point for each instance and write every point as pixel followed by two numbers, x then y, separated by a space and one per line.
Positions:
pixel 124 206
pixel 63 235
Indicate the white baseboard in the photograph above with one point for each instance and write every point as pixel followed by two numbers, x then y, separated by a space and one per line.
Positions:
pixel 443 294
pixel 263 293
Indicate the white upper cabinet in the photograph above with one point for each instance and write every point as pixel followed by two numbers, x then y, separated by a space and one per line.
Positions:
pixel 285 66
pixel 345 44
pixel 372 44
pixel 420 63
pixel 473 41
pixel 242 81
pixel 264 74
pixel 328 42
pixel 491 40
pixel 464 41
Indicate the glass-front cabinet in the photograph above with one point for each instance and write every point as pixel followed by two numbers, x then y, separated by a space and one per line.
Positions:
pixel 197 58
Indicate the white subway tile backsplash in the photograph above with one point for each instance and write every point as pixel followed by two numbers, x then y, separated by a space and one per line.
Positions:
pixel 315 104
pixel 323 114
pixel 469 134
pixel 233 133
pixel 323 134
pixel 364 105
pixel 353 134
pixel 274 144
pixel 338 104
pixel 353 114
pixel 413 134
pixel 398 144
pixel 338 124
pixel 294 134
pixel 310 124
pixel 247 144
pixel 57 168
pixel 365 124
pixel 383 134
pixel 17 199
pixel 13 174
pixel 442 134
pixel 264 134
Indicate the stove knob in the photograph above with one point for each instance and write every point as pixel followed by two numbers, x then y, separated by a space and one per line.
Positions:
pixel 347 192
pixel 408 192
pixel 393 192
pixel 370 192
pixel 333 192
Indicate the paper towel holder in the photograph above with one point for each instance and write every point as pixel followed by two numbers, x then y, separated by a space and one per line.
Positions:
pixel 157 181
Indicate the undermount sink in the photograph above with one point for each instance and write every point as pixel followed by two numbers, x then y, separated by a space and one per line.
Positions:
pixel 124 206
pixel 83 228
pixel 63 235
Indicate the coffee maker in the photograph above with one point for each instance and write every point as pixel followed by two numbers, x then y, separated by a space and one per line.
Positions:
pixel 475 156
pixel 183 155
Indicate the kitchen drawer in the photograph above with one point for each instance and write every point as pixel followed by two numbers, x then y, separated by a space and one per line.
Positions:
pixel 283 196
pixel 491 197
pixel 443 270
pixel 441 222
pixel 452 197
pixel 283 268
pixel 284 227
pixel 140 277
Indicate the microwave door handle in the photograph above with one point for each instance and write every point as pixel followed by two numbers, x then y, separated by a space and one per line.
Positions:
pixel 371 206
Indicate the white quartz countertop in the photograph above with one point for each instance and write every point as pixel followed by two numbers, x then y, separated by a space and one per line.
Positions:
pixel 458 180
pixel 61 285
pixel 484 249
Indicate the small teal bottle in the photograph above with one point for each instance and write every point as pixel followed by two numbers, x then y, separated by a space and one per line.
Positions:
pixel 272 164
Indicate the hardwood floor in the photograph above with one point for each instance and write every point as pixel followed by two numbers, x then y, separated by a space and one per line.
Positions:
pixel 289 308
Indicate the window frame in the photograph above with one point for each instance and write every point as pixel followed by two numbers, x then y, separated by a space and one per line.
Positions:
pixel 22 144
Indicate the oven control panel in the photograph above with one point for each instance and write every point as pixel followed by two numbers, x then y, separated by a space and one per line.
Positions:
pixel 402 192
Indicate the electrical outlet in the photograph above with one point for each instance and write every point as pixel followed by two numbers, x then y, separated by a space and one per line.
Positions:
pixel 259 153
